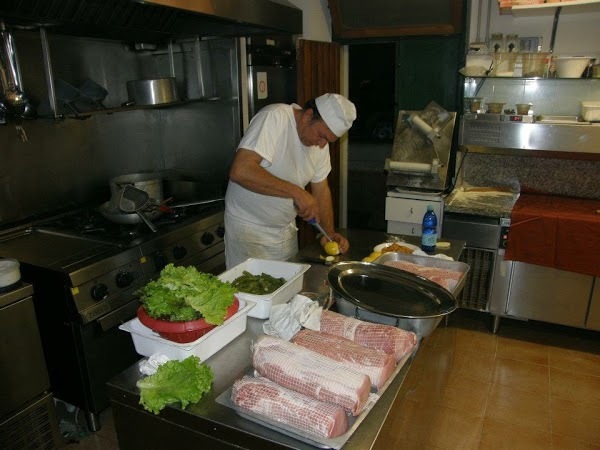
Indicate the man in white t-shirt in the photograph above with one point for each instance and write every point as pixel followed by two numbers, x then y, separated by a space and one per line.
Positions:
pixel 285 148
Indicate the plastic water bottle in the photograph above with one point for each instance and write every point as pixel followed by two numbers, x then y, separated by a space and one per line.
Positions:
pixel 429 236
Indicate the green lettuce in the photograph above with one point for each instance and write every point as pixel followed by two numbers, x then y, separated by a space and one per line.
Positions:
pixel 175 381
pixel 182 293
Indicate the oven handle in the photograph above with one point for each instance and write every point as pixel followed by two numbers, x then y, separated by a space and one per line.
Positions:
pixel 119 316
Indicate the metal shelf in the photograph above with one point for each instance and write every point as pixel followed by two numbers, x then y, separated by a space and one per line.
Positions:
pixel 541 9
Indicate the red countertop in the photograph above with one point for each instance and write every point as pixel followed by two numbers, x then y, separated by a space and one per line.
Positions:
pixel 554 231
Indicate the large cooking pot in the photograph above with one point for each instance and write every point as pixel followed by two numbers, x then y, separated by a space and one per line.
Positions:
pixel 151 183
pixel 153 91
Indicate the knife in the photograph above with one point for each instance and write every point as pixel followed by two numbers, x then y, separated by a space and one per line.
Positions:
pixel 320 228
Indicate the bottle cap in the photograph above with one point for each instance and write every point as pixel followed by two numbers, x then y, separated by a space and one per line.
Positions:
pixel 429 207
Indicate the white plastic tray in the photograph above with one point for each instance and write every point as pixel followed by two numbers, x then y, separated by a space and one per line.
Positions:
pixel 292 272
pixel 147 342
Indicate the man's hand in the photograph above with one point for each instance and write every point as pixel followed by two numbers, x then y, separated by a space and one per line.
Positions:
pixel 306 206
pixel 343 243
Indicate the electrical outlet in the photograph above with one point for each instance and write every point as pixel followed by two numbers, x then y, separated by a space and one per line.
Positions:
pixel 530 44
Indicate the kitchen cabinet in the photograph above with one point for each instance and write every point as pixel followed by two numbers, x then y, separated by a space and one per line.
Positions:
pixel 593 318
pixel 549 295
pixel 405 214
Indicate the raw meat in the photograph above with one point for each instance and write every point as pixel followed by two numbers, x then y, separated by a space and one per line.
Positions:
pixel 446 278
pixel 310 373
pixel 377 365
pixel 262 396
pixel 389 339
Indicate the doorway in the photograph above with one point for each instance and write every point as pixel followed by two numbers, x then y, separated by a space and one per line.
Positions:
pixel 384 78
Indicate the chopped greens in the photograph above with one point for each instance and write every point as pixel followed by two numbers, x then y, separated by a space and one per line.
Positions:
pixel 257 284
pixel 175 381
pixel 182 294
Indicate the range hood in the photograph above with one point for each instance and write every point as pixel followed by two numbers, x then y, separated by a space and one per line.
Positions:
pixel 154 20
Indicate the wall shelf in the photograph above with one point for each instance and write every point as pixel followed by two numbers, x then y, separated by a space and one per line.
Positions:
pixel 541 9
pixel 116 109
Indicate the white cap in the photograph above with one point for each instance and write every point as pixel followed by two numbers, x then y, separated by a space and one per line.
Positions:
pixel 337 112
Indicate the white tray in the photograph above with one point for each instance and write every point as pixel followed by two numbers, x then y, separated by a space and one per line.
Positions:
pixel 292 272
pixel 147 342
pixel 335 443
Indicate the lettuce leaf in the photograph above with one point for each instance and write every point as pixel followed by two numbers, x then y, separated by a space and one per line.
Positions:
pixel 175 381
pixel 182 293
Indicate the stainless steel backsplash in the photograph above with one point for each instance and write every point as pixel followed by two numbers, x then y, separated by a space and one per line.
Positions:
pixel 70 162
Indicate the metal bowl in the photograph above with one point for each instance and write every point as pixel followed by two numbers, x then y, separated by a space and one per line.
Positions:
pixel 382 294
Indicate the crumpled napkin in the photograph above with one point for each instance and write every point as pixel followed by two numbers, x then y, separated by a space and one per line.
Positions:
pixel 289 318
pixel 419 252
pixel 150 366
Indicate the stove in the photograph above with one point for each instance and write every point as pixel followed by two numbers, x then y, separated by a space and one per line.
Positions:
pixel 86 270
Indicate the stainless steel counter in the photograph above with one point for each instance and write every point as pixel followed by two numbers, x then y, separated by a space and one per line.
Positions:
pixel 208 422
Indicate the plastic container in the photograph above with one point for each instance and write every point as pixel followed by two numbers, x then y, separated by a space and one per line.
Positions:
pixel 523 108
pixel 147 342
pixel 534 63
pixel 429 231
pixel 293 274
pixel 590 111
pixel 182 332
pixel 10 273
pixel 571 66
pixel 495 107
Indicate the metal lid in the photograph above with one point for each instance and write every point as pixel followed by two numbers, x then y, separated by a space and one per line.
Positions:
pixel 390 291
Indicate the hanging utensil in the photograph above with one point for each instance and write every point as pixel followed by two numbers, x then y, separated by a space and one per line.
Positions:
pixel 134 200
pixel 66 94
pixel 92 91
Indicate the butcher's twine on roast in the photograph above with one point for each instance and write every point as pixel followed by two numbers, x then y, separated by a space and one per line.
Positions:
pixel 310 373
pixel 377 365
pixel 391 340
pixel 262 396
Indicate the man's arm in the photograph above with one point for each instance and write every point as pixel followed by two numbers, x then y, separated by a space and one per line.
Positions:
pixel 322 193
pixel 247 172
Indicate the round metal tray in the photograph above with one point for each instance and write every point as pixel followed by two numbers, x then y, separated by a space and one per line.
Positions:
pixel 390 291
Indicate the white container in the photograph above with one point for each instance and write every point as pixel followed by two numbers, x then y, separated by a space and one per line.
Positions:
pixel 590 111
pixel 10 273
pixel 293 274
pixel 571 66
pixel 147 342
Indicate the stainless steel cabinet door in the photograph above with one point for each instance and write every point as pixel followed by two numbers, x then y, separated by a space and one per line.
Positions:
pixel 550 295
pixel 593 319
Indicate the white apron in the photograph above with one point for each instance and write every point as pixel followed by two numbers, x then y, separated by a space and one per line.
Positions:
pixel 244 240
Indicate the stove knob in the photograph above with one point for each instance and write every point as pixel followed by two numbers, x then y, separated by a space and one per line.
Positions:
pixel 179 251
pixel 123 279
pixel 99 291
pixel 207 238
pixel 221 231
pixel 160 261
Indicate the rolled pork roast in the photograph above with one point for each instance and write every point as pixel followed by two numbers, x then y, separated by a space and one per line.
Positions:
pixel 389 339
pixel 310 373
pixel 376 364
pixel 262 396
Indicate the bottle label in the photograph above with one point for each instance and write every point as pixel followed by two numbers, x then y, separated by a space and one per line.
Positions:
pixel 429 240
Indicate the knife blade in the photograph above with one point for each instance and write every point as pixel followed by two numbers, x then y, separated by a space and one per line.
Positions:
pixel 320 228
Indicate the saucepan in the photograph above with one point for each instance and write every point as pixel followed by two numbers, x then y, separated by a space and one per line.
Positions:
pixel 155 91
pixel 149 182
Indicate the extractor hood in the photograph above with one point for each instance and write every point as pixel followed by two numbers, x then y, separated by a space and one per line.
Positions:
pixel 154 20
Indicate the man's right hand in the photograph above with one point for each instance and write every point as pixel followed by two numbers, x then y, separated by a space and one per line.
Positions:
pixel 306 206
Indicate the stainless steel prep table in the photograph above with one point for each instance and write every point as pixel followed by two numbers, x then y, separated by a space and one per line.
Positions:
pixel 210 423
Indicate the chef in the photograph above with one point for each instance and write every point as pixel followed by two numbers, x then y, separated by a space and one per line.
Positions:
pixel 285 148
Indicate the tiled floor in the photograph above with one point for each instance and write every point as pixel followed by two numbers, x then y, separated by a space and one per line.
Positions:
pixel 531 386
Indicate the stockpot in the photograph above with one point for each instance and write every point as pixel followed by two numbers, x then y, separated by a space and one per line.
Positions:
pixel 149 182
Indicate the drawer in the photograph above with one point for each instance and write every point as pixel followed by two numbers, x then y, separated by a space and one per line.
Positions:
pixel 410 210
pixel 406 228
